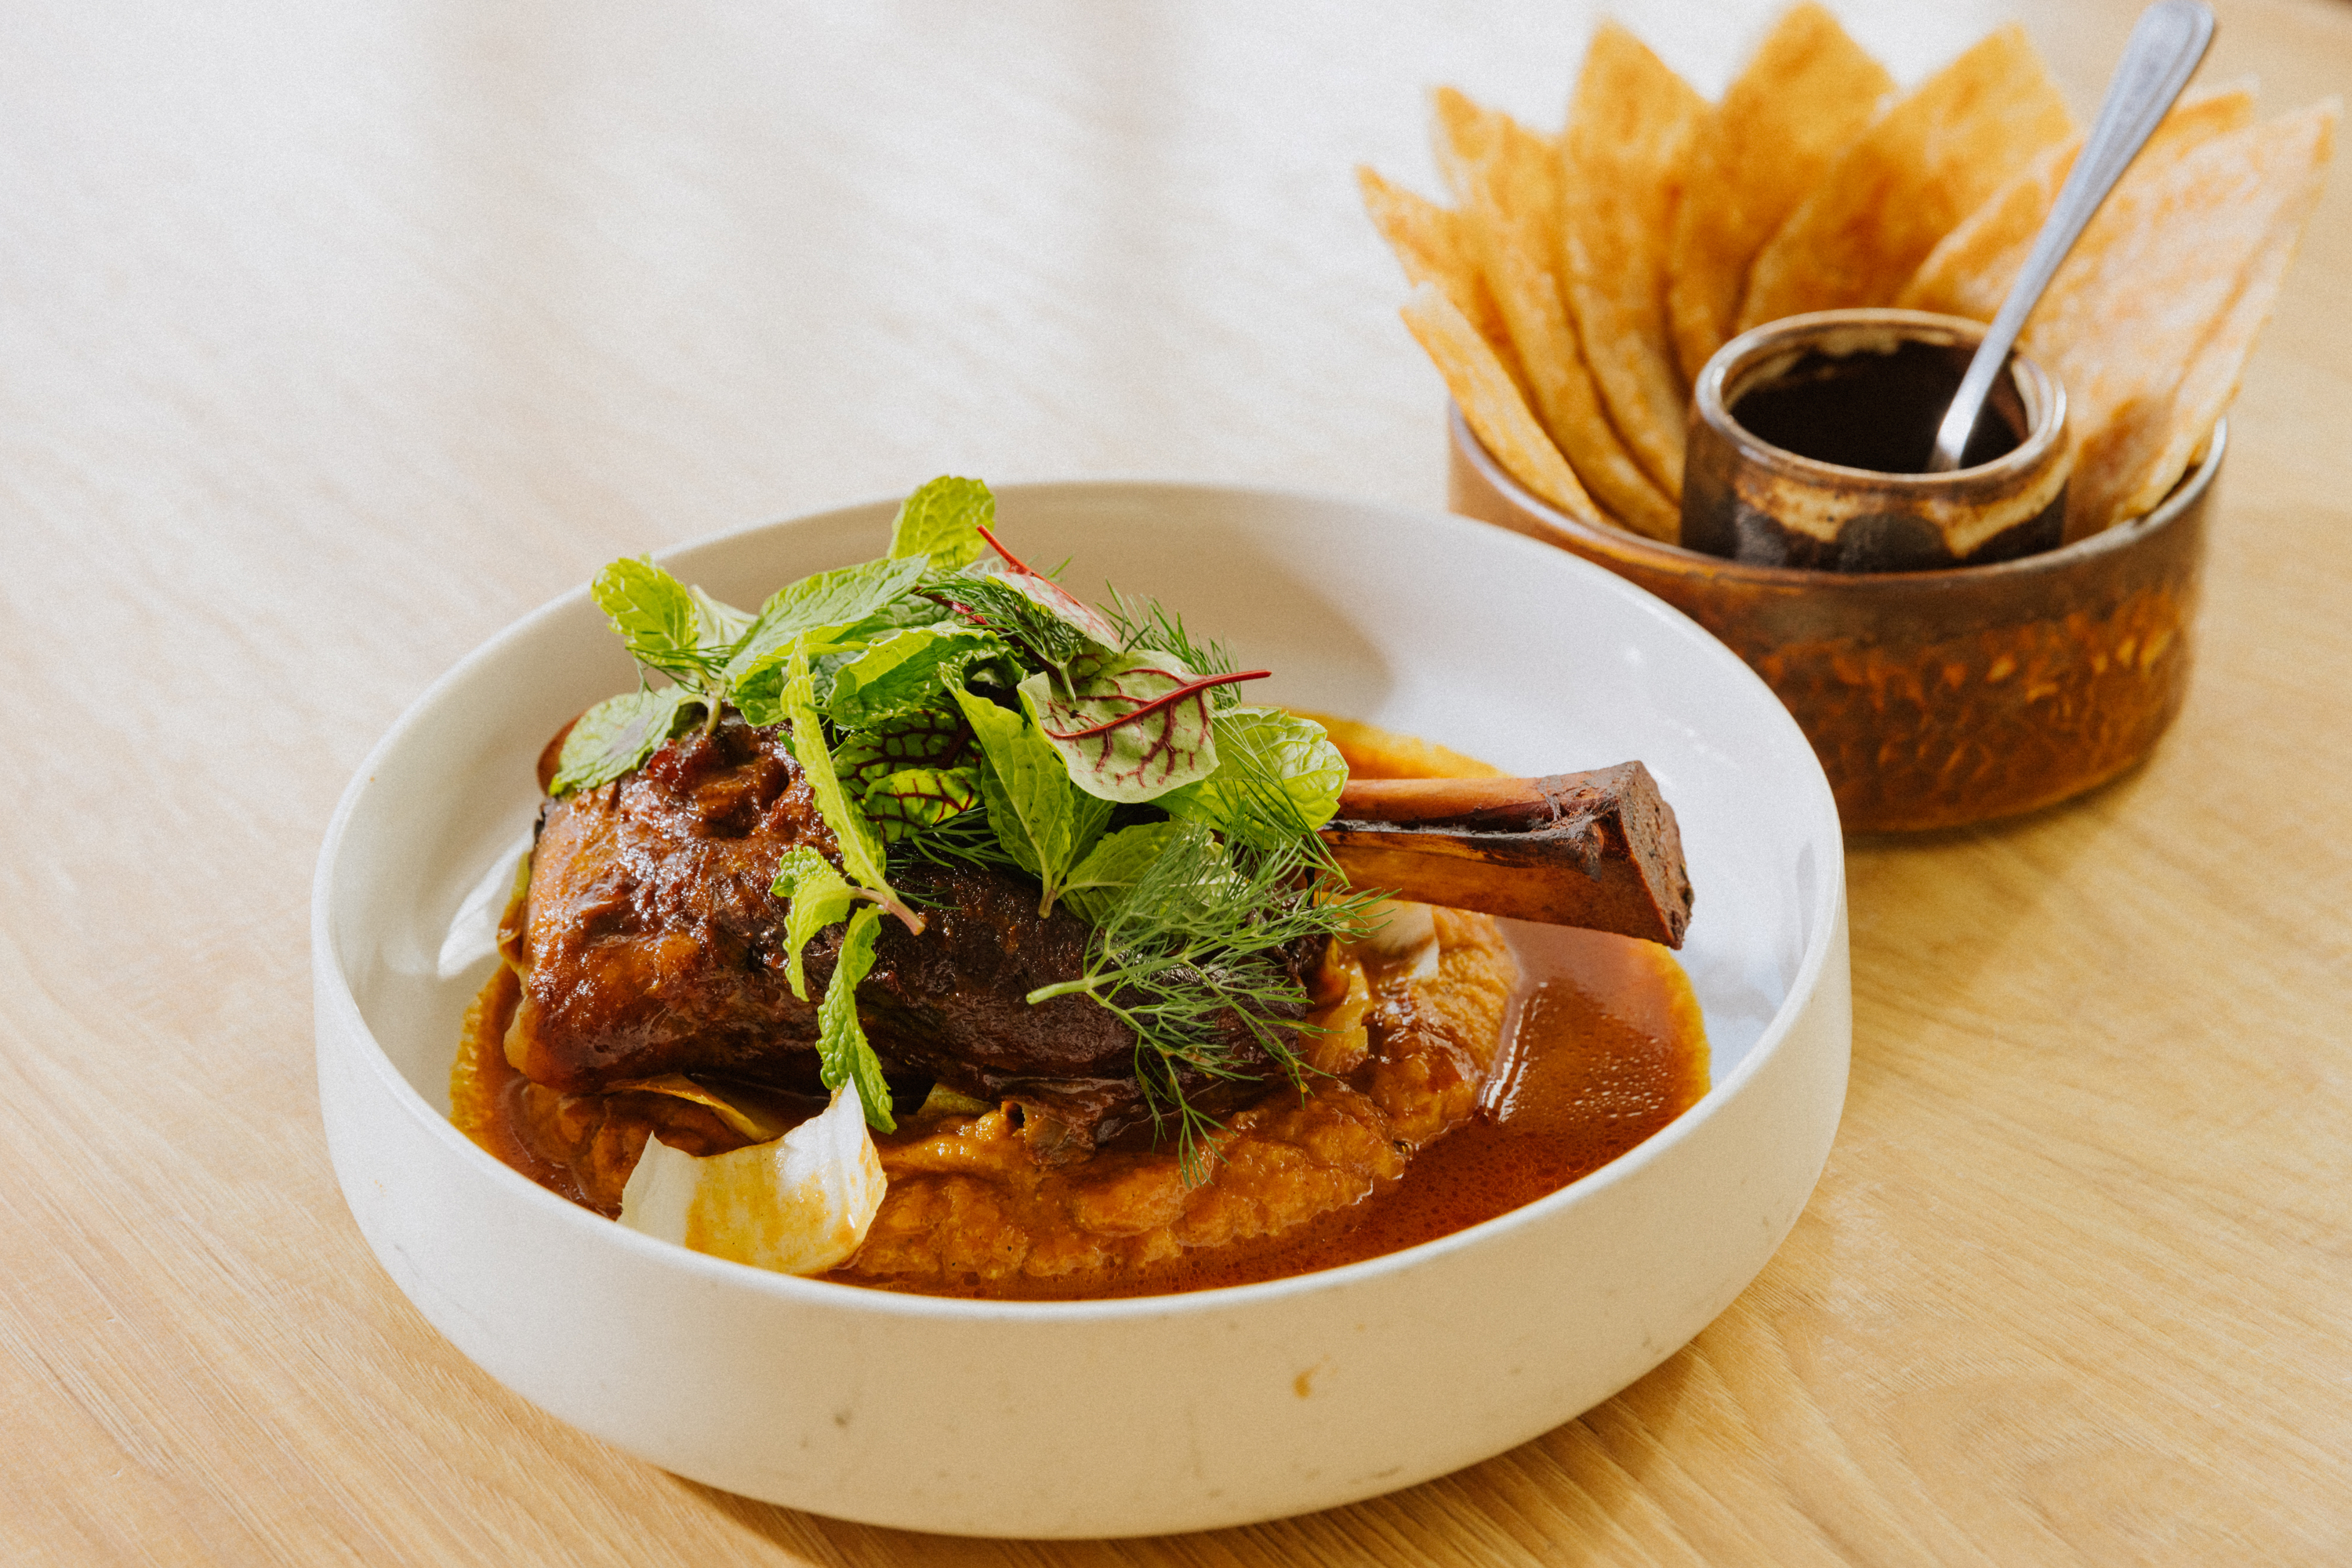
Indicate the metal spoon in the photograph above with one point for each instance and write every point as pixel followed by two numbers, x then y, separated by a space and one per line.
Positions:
pixel 2165 44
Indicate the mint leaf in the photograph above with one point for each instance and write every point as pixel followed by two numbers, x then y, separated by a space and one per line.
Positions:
pixel 1113 866
pixel 617 734
pixel 654 613
pixel 942 520
pixel 1037 817
pixel 907 802
pixel 1277 776
pixel 760 696
pixel 835 598
pixel 826 601
pixel 818 898
pixel 905 671
pixel 861 851
pixel 840 1043
pixel 722 625
pixel 1151 744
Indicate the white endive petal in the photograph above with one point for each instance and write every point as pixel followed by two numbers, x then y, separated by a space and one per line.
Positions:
pixel 798 1206
pixel 1405 931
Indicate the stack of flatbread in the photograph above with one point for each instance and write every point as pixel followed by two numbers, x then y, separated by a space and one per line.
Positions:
pixel 1574 291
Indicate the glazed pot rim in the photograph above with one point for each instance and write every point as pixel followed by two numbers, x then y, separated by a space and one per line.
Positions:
pixel 1622 544
pixel 2044 397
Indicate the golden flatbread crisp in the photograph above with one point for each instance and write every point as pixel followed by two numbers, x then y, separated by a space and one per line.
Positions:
pixel 1508 180
pixel 2298 157
pixel 1466 136
pixel 1908 181
pixel 1431 248
pixel 1490 401
pixel 1630 127
pixel 2149 330
pixel 1513 256
pixel 1971 269
pixel 1501 172
pixel 1808 93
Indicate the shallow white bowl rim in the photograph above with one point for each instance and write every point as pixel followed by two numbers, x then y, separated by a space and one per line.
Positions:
pixel 1822 928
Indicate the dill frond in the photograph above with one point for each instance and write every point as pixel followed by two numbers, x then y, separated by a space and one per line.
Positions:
pixel 1196 945
pixel 1145 622
pixel 966 838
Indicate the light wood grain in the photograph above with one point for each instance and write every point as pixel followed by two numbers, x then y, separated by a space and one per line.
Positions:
pixel 333 338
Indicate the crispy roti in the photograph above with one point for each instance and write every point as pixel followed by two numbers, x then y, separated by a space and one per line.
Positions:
pixel 1783 122
pixel 1507 180
pixel 1908 181
pixel 1491 402
pixel 1430 245
pixel 2149 331
pixel 1971 269
pixel 1630 125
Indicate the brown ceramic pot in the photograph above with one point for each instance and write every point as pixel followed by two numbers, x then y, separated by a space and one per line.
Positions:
pixel 1934 699
pixel 1749 500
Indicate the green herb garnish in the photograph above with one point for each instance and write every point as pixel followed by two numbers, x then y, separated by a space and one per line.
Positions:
pixel 904 672
pixel 818 897
pixel 1115 864
pixel 1133 726
pixel 943 522
pixel 948 703
pixel 807 617
pixel 1278 778
pixel 1043 821
pixel 619 733
pixel 1147 624
pixel 670 629
pixel 842 1049
pixel 860 844
pixel 1197 938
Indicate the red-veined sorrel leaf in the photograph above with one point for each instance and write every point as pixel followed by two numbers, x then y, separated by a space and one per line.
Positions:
pixel 1050 595
pixel 928 738
pixel 916 798
pixel 1131 726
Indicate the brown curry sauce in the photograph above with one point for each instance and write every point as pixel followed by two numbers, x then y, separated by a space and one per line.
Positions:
pixel 1602 1047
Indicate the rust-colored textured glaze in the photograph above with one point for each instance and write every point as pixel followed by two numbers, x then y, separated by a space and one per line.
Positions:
pixel 1935 698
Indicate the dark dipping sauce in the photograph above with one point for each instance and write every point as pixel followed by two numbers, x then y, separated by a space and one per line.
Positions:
pixel 1877 411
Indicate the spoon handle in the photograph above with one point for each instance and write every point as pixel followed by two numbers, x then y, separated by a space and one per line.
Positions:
pixel 2165 44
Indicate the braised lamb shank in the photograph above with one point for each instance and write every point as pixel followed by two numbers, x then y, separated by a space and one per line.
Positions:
pixel 649 943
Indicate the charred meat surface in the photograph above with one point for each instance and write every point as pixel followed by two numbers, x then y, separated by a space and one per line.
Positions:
pixel 649 943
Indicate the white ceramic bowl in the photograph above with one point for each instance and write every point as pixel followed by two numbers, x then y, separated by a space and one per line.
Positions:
pixel 1158 1414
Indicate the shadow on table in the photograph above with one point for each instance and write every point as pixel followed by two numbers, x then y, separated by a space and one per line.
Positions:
pixel 1481 1514
pixel 1931 913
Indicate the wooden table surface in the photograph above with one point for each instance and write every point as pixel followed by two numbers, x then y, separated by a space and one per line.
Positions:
pixel 333 338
